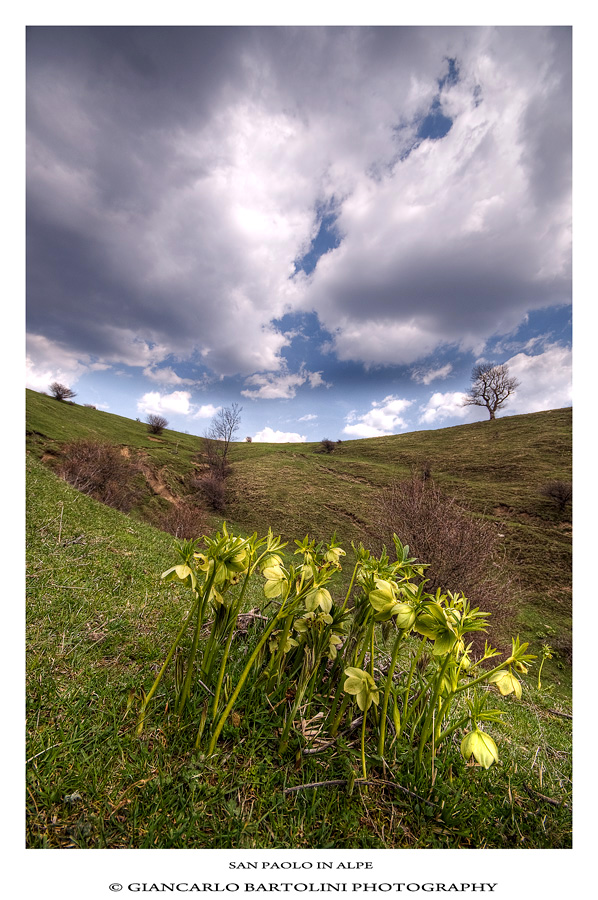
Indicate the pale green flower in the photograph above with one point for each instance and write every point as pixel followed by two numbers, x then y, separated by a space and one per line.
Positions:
pixel 275 581
pixel 333 555
pixel 318 597
pixel 481 746
pixel 506 683
pixel 362 686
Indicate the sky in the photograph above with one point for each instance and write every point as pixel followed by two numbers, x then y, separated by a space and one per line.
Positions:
pixel 329 226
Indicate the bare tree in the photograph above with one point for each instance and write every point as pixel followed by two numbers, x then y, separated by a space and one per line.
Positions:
pixel 61 391
pixel 491 387
pixel 156 424
pixel 218 438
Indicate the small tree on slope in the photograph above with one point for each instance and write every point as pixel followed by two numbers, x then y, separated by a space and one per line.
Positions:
pixel 491 387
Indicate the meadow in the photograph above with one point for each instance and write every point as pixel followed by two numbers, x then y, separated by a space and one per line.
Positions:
pixel 101 620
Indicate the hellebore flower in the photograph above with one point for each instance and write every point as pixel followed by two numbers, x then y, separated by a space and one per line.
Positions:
pixel 333 555
pixel 506 683
pixel 362 686
pixel 405 616
pixel 318 597
pixel 481 746
pixel 434 624
pixel 275 581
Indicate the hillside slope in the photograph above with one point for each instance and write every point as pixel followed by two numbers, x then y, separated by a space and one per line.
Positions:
pixel 495 468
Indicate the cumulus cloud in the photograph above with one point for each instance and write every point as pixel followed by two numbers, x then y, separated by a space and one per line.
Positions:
pixel 280 387
pixel 175 178
pixel 545 380
pixel 445 406
pixel 269 436
pixel 206 411
pixel 383 418
pixel 47 361
pixel 154 402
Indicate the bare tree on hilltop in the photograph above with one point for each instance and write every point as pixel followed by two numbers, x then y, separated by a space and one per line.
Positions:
pixel 491 387
pixel 61 391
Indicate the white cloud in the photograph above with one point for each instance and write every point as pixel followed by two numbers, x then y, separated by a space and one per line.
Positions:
pixel 268 436
pixel 207 411
pixel 460 239
pixel 154 402
pixel 166 376
pixel 48 361
pixel 308 418
pixel 281 387
pixel 445 406
pixel 383 418
pixel 545 380
pixel 427 377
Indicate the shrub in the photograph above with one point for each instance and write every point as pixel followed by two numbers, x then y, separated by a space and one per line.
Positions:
pixel 100 470
pixel 156 424
pixel 461 550
pixel 559 492
pixel 326 446
pixel 185 519
pixel 212 489
pixel 61 391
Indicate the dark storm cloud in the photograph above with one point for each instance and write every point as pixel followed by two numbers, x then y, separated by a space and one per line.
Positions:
pixel 176 175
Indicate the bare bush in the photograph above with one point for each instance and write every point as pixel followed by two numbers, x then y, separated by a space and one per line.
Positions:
pixel 100 470
pixel 156 424
pixel 61 391
pixel 326 446
pixel 185 519
pixel 212 489
pixel 461 551
pixel 559 492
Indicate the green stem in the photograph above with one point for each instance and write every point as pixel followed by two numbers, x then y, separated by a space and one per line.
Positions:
pixel 353 576
pixel 483 677
pixel 441 716
pixel 346 700
pixel 243 679
pixel 409 707
pixel 171 652
pixel 431 708
pixel 389 676
pixel 284 739
pixel 365 774
pixel 191 661
pixel 448 731
pixel 227 648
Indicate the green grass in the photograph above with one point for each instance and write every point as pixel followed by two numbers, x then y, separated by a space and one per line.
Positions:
pixel 100 622
pixel 496 468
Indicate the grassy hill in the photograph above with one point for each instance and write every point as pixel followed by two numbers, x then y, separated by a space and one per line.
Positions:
pixel 100 621
pixel 496 468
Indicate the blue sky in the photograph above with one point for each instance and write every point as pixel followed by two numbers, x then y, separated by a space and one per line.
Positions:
pixel 329 226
